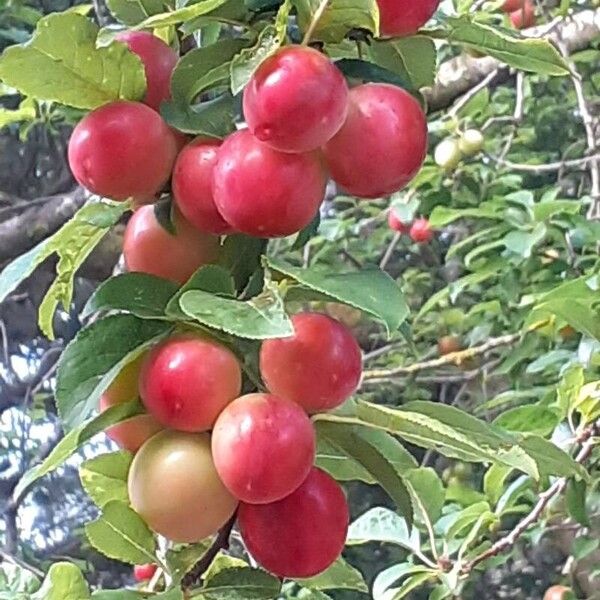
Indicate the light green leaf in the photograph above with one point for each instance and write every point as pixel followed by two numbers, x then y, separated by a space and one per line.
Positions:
pixel 413 58
pixel 25 112
pixel 143 295
pixel 383 525
pixel 64 581
pixel 132 12
pixel 576 497
pixel 89 221
pixel 531 419
pixel 181 15
pixel 104 477
pixel 370 290
pixel 75 439
pixel 339 576
pixel 428 493
pixel 339 18
pixel 262 317
pixel 95 357
pixel 493 482
pixel 121 534
pixel 241 583
pixel 533 55
pixel 61 63
pixel 364 447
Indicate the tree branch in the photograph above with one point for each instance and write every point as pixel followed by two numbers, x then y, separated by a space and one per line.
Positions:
pixel 453 358
pixel 458 75
pixel 588 442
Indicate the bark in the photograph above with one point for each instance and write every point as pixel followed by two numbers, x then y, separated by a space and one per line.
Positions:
pixel 458 75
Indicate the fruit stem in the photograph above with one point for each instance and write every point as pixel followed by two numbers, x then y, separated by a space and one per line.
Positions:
pixel 221 543
pixel 315 21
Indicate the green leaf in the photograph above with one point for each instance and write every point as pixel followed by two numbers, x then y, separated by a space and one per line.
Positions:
pixel 143 295
pixel 180 560
pixel 172 594
pixel 75 439
pixel 204 68
pixel 354 68
pixel 132 12
pixel 427 491
pixel 339 18
pixel 383 525
pixel 262 317
pixel 95 357
pixel 523 242
pixel 241 583
pixel 446 429
pixel 493 481
pixel 413 58
pixel 181 15
pixel 370 290
pixel 339 576
pixel 531 419
pixel 241 256
pixel 104 477
pixel 62 64
pixel 550 459
pixel 532 55
pixel 213 118
pixel 576 501
pixel 363 447
pixel 209 278
pixel 76 240
pixel 248 60
pixel 412 582
pixel 64 581
pixel 90 222
pixel 121 534
pixel 385 579
pixel 25 112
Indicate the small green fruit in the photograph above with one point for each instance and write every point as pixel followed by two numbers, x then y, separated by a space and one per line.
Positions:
pixel 447 154
pixel 471 142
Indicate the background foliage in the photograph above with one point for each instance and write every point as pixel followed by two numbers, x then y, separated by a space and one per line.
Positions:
pixel 512 273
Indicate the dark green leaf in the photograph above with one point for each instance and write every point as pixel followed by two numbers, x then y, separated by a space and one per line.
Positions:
pixel 132 12
pixel 143 295
pixel 339 576
pixel 363 446
pixel 94 358
pixel 370 290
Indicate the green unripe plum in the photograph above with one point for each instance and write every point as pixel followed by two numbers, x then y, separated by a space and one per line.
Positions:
pixel 447 154
pixel 471 142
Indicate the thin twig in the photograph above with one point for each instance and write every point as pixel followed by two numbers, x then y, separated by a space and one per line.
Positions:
pixel 455 358
pixel 221 543
pixel 315 21
pixel 19 562
pixel 463 100
pixel 390 250
pixel 546 167
pixel 588 442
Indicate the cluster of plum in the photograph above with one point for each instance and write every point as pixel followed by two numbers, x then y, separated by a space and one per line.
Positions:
pixel 203 450
pixel 267 180
pixel 419 230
